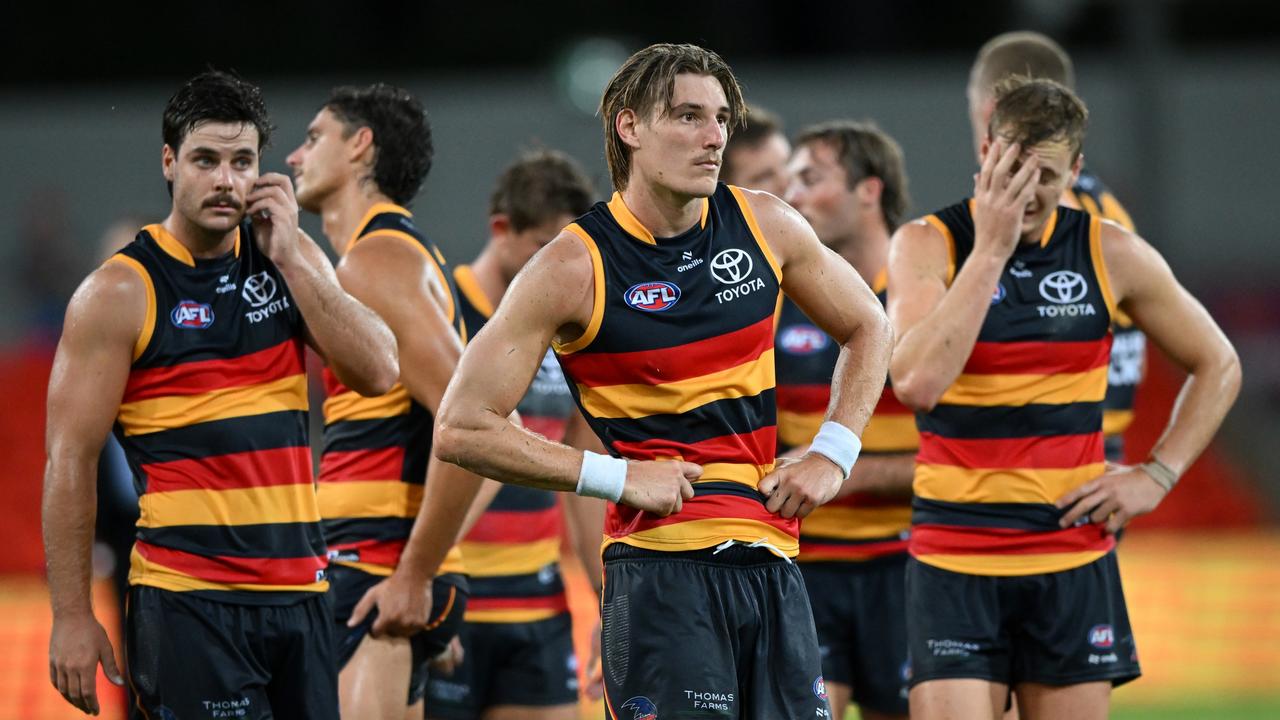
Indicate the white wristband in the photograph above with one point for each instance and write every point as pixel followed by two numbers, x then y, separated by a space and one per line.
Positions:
pixel 838 444
pixel 602 476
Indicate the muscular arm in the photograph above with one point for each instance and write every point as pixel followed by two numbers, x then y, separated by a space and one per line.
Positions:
pixel 90 370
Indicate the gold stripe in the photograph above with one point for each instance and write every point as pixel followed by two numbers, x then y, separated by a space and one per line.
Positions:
pixel 351 405
pixel 452 563
pixel 144 572
pixel 1010 564
pixel 880 281
pixel 891 433
pixel 796 429
pixel 1087 204
pixel 597 305
pixel 149 319
pixel 294 503
pixel 742 473
pixel 492 559
pixel 175 411
pixel 1115 212
pixel 755 231
pixel 369 499
pixel 632 225
pixel 1115 422
pixel 465 278
pixel 1018 390
pixel 941 227
pixel 854 523
pixel 377 209
pixel 1049 227
pixel 1100 265
pixel 1000 485
pixel 170 245
pixel 636 401
pixel 705 533
pixel 510 616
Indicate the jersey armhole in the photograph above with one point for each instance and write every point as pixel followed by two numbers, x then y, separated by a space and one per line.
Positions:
pixel 941 227
pixel 1100 266
pixel 149 320
pixel 750 217
pixel 451 311
pixel 597 300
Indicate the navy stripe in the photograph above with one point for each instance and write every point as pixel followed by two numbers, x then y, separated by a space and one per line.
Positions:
pixel 1014 516
pixel 717 487
pixel 269 431
pixel 386 529
pixel 976 423
pixel 732 416
pixel 819 540
pixel 514 498
pixel 411 431
pixel 545 583
pixel 271 540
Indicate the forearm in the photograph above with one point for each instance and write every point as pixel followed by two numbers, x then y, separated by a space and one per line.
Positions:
pixel 449 495
pixel 491 445
pixel 68 512
pixel 860 372
pixel 887 475
pixel 1203 402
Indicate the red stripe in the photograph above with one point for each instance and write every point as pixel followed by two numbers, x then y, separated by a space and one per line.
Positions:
pixel 259 468
pixel 202 376
pixel 229 570
pixel 803 398
pixel 622 520
pixel 378 552
pixel 515 527
pixel 811 549
pixel 889 404
pixel 757 448
pixel 556 602
pixel 548 427
pixel 665 365
pixel 949 540
pixel 1047 452
pixel 355 465
pixel 1038 358
pixel 332 385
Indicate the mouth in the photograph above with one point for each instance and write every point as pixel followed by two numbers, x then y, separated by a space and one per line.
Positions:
pixel 711 164
pixel 223 204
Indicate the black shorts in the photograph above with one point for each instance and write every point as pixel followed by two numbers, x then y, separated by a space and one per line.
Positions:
pixel 1060 628
pixel 528 664
pixel 448 604
pixel 860 611
pixel 191 657
pixel 703 634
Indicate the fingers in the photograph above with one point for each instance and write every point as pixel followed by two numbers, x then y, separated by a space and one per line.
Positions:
pixel 1117 521
pixel 1070 498
pixel 367 603
pixel 107 657
pixel 805 508
pixel 692 471
pixel 1082 507
pixel 686 490
pixel 1103 512
pixel 983 181
pixel 1000 174
pixel 1023 184
pixel 84 691
pixel 768 484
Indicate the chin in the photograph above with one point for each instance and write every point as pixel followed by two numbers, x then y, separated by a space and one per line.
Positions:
pixel 701 187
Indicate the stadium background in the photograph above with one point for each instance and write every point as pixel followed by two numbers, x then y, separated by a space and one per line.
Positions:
pixel 1183 95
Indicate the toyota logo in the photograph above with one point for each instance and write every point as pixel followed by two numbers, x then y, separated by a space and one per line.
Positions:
pixel 731 266
pixel 1063 287
pixel 259 289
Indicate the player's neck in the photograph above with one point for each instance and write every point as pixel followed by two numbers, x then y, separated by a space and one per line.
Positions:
pixel 866 250
pixel 489 276
pixel 202 243
pixel 343 211
pixel 662 212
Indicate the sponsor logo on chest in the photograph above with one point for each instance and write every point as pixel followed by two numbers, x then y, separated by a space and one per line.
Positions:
pixel 260 292
pixel 734 268
pixel 1064 289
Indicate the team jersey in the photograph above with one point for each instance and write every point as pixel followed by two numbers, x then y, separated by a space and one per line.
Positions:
pixel 859 526
pixel 373 467
pixel 513 552
pixel 214 425
pixel 1129 347
pixel 1022 424
pixel 677 362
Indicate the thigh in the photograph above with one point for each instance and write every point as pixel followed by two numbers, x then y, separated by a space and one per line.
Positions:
pixel 1083 701
pixel 375 681
pixel 879 626
pixel 1075 628
pixel 346 587
pixel 956 627
pixel 459 695
pixel 785 677
pixel 448 606
pixel 304 673
pixel 188 656
pixel 538 669
pixel 958 699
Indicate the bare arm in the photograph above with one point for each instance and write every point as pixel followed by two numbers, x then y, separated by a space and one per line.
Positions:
pixel 352 339
pixel 553 295
pixel 90 370
pixel 937 325
pixel 888 475
pixel 835 297
pixel 1145 289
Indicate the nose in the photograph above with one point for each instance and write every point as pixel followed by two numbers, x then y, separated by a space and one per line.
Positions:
pixel 295 158
pixel 223 179
pixel 717 136
pixel 794 192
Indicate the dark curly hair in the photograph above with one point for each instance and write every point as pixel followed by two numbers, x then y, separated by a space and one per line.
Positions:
pixel 214 96
pixel 401 135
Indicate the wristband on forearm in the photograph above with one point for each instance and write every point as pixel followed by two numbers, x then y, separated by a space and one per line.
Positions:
pixel 602 476
pixel 1164 475
pixel 838 444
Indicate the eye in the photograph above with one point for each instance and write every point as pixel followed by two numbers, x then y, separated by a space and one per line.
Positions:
pixel 242 163
pixel 204 161
pixel 689 117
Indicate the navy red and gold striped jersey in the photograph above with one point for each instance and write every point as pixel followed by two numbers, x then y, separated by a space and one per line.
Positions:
pixel 513 552
pixel 859 526
pixel 214 425
pixel 1129 347
pixel 373 467
pixel 677 362
pixel 1022 424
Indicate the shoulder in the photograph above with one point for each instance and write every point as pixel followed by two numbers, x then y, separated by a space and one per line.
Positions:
pixel 771 214
pixel 112 302
pixel 1129 260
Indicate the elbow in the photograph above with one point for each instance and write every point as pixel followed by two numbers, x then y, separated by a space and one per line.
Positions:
pixel 916 391
pixel 378 378
pixel 450 441
pixel 1231 373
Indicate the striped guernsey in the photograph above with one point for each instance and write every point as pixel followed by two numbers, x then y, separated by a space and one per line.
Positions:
pixel 374 464
pixel 677 362
pixel 214 425
pixel 1022 424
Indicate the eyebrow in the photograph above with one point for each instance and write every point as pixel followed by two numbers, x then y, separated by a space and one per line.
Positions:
pixel 695 106
pixel 205 150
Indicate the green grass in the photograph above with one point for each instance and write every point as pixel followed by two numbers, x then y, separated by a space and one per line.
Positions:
pixel 1232 709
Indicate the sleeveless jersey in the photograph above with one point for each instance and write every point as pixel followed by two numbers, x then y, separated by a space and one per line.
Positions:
pixel 860 526
pixel 214 425
pixel 1129 347
pixel 513 552
pixel 1022 424
pixel 677 362
pixel 373 467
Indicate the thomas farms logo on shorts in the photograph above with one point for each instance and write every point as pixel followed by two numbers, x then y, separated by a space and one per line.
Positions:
pixel 1102 637
pixel 643 708
pixel 191 315
pixel 652 296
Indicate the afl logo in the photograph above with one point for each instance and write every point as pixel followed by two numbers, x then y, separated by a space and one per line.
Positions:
pixel 803 340
pixel 652 296
pixel 731 266
pixel 1102 636
pixel 999 293
pixel 192 315
pixel 820 688
pixel 1063 287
